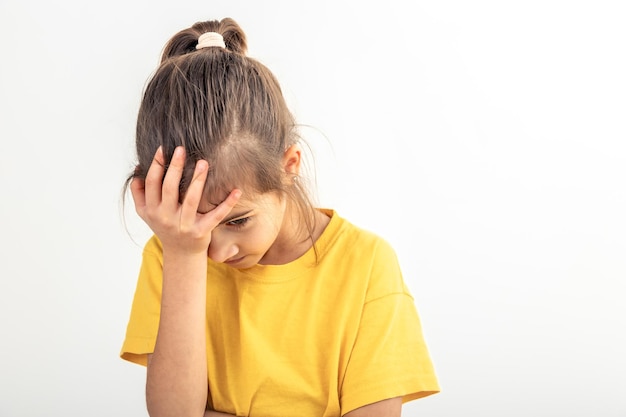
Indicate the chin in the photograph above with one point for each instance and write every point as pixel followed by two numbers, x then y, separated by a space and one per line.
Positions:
pixel 245 266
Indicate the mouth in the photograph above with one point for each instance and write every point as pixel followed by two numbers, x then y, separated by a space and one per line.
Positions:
pixel 234 261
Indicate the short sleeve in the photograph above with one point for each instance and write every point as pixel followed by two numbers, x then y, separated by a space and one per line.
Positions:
pixel 390 358
pixel 143 324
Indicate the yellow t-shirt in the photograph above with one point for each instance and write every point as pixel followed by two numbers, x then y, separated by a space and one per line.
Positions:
pixel 320 336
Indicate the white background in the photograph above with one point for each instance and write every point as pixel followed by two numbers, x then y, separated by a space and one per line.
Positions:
pixel 484 139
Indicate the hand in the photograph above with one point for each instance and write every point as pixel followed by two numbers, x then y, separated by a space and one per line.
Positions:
pixel 178 226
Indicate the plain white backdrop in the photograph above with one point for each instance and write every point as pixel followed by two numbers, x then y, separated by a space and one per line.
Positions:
pixel 486 140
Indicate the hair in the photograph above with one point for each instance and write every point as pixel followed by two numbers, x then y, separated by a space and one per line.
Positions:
pixel 224 107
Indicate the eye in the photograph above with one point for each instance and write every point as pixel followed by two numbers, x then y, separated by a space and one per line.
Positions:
pixel 239 223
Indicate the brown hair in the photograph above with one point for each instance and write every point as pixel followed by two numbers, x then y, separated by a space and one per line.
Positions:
pixel 224 107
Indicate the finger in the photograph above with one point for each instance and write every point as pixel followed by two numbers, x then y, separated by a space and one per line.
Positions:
pixel 194 192
pixel 138 191
pixel 171 183
pixel 154 179
pixel 215 216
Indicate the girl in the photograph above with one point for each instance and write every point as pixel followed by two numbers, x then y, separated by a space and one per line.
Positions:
pixel 250 300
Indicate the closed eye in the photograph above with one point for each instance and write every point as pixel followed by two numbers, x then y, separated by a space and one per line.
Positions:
pixel 238 223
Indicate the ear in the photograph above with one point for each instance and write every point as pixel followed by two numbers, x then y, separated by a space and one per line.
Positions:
pixel 292 159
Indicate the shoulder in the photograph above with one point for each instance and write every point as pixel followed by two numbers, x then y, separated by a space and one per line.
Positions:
pixel 152 260
pixel 365 243
pixel 370 256
pixel 153 247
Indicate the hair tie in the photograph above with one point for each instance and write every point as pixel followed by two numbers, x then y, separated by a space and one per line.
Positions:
pixel 209 39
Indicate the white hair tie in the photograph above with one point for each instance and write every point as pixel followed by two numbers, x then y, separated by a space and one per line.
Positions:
pixel 209 39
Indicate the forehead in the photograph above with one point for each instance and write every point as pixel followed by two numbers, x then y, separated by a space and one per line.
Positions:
pixel 248 201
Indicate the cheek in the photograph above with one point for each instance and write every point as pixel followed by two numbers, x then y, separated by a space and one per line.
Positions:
pixel 262 238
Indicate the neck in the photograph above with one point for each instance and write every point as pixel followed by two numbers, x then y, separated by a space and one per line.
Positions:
pixel 295 238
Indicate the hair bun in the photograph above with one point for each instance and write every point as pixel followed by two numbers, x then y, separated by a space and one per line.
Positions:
pixel 234 37
pixel 187 40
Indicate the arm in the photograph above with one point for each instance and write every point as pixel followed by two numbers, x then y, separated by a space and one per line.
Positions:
pixel 385 408
pixel 176 382
pixel 391 407
pixel 177 376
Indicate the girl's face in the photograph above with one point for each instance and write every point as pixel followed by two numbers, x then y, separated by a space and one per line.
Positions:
pixel 253 233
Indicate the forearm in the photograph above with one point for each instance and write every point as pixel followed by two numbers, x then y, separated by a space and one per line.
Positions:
pixel 177 373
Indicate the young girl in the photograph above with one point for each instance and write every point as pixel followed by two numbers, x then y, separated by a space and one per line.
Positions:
pixel 250 300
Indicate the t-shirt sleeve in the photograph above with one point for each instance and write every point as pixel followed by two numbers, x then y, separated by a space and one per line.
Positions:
pixel 143 324
pixel 390 357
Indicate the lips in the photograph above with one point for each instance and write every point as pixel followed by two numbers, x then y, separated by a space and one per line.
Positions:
pixel 234 261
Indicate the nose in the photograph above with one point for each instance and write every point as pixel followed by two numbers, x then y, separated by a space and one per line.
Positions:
pixel 220 248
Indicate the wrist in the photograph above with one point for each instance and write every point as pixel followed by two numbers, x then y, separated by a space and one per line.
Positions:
pixel 185 265
pixel 175 252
